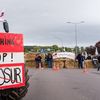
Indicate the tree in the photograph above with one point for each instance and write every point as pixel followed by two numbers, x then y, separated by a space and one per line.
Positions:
pixel 69 49
pixel 77 50
pixel 55 47
pixel 26 50
pixel 82 49
pixel 90 50
pixel 36 49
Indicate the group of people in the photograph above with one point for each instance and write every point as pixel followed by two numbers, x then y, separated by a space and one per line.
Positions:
pixel 48 60
pixel 81 61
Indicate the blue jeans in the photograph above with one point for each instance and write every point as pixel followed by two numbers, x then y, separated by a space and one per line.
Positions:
pixel 80 64
pixel 49 64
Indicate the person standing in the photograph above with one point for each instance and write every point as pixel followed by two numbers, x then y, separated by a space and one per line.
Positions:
pixel 49 60
pixel 80 59
pixel 38 61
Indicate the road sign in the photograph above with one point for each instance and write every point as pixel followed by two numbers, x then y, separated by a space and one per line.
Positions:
pixel 11 60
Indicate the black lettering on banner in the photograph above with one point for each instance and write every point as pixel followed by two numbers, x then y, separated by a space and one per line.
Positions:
pixel 4 55
pixel 7 72
pixel 2 77
pixel 1 41
pixel 10 75
pixel 9 41
pixel 5 41
pixel 17 72
pixel 11 57
pixel 0 57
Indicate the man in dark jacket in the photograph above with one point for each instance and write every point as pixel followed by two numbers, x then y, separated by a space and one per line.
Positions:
pixel 80 59
pixel 38 59
pixel 49 60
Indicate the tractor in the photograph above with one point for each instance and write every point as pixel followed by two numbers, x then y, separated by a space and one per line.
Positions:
pixel 11 92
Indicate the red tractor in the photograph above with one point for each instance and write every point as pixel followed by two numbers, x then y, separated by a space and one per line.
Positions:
pixel 13 77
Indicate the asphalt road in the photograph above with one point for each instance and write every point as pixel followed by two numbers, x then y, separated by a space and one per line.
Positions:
pixel 65 84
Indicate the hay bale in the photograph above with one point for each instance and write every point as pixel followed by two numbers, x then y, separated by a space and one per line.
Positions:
pixel 69 63
pixel 88 63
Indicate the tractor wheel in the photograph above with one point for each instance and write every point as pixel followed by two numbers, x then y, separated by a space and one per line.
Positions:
pixel 15 93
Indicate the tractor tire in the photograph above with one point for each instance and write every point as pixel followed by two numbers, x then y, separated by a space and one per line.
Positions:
pixel 15 93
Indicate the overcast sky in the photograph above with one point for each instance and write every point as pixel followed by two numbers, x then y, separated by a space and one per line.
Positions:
pixel 44 22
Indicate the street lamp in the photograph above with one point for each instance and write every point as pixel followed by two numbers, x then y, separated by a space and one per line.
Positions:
pixel 75 24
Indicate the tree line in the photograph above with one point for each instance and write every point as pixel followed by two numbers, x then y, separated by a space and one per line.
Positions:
pixel 53 48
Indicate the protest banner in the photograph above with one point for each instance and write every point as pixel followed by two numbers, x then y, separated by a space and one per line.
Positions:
pixel 69 55
pixel 11 60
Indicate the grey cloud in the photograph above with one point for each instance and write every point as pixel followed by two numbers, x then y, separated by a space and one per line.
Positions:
pixel 43 22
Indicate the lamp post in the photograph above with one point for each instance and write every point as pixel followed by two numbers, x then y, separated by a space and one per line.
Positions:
pixel 75 24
